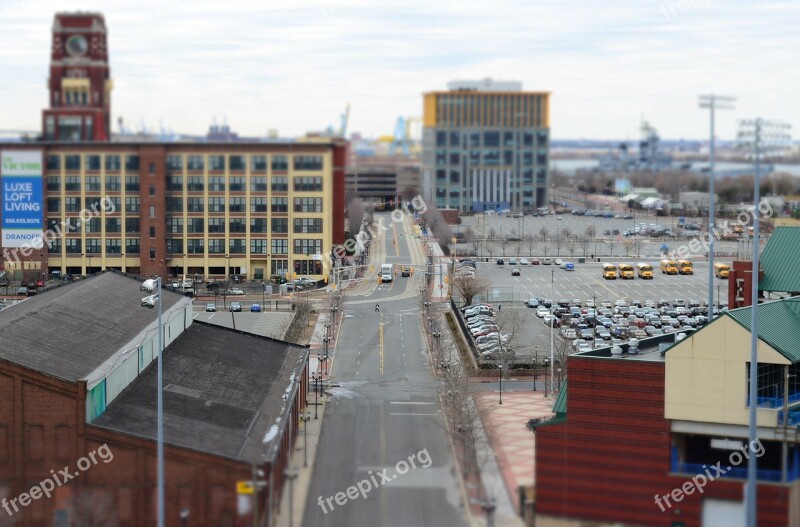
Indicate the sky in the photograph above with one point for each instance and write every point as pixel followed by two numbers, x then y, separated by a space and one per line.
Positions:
pixel 293 66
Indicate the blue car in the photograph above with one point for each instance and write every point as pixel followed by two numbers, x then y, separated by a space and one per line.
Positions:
pixel 255 308
pixel 569 266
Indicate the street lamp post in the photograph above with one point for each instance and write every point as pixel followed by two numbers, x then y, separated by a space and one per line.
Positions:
pixel 501 382
pixel 154 300
pixel 315 378
pixel 306 417
pixel 552 320
pixel 535 364
pixel 291 475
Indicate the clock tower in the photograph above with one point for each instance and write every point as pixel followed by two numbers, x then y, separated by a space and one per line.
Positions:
pixel 79 87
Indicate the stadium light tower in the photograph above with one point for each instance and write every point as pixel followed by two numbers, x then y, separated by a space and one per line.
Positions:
pixel 712 103
pixel 758 137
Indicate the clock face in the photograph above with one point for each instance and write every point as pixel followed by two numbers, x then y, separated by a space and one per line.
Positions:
pixel 77 46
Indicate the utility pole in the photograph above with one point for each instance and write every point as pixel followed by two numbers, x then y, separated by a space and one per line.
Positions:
pixel 712 103
pixel 758 137
pixel 552 320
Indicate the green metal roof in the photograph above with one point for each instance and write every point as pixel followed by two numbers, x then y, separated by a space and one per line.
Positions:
pixel 560 406
pixel 778 325
pixel 779 261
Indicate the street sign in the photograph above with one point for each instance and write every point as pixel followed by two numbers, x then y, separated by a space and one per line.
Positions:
pixel 244 487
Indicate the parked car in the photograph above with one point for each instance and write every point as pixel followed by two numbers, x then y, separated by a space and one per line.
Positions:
pixel 234 291
pixel 500 261
pixel 235 307
pixel 524 261
pixel 512 261
pixel 558 261
pixel 211 307
pixel 533 302
pixel 535 261
pixel 547 261
pixel 515 272
pixel 541 311
pixel 255 308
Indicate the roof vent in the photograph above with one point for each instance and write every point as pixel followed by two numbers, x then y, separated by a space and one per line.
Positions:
pixel 616 351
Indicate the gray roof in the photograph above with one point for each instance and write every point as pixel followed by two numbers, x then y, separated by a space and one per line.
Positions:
pixel 69 331
pixel 223 390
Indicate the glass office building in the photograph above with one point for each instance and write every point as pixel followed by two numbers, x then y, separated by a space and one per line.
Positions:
pixel 486 149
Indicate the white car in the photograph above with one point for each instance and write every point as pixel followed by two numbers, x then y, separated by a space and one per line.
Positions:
pixel 524 261
pixel 558 261
pixel 541 311
pixel 235 291
pixel 620 303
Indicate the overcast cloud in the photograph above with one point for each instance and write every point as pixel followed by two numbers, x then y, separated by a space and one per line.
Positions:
pixel 294 66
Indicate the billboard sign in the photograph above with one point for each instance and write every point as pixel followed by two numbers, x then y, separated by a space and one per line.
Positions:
pixel 21 178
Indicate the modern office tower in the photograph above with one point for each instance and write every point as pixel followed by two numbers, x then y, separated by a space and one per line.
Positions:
pixel 486 146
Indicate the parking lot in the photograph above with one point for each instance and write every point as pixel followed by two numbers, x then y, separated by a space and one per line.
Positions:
pixel 584 284
pixel 575 227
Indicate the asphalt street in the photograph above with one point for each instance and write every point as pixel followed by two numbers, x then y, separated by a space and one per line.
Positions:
pixel 384 410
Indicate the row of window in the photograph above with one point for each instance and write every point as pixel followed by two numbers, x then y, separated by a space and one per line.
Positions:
pixel 193 183
pixel 490 138
pixel 93 162
pixel 237 163
pixel 456 179
pixel 113 246
pixel 193 205
pixel 490 157
pixel 194 225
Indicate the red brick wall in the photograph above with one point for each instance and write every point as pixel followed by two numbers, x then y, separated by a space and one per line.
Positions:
pixel 157 156
pixel 611 457
pixel 339 163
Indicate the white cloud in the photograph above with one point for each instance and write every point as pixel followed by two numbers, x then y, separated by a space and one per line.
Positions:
pixel 294 66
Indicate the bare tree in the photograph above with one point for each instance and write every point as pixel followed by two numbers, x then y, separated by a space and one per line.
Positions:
pixel 611 243
pixel 543 234
pixel 572 246
pixel 591 231
pixel 516 248
pixel 512 326
pixel 490 248
pixel 303 309
pixel 545 248
pixel 558 241
pixel 584 242
pixel 468 287
pixel 530 240
pixel 356 211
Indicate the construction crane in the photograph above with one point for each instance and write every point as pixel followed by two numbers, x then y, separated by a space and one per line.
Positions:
pixel 402 137
pixel 344 120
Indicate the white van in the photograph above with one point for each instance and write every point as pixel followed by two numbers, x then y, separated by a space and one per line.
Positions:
pixel 387 272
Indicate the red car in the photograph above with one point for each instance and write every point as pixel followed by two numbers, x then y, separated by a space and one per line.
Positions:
pixel 535 261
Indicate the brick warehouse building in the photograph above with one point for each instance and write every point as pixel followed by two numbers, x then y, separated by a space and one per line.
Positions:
pixel 74 377
pixel 214 209
pixel 612 448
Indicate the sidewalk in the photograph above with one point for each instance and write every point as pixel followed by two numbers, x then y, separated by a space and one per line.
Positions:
pixel 310 434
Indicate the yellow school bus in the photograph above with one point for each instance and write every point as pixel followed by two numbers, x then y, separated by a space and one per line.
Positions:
pixel 626 271
pixel 645 270
pixel 685 267
pixel 669 267
pixel 721 270
pixel 609 272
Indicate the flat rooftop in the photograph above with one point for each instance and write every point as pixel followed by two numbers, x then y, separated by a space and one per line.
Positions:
pixel 223 393
pixel 649 349
pixel 69 331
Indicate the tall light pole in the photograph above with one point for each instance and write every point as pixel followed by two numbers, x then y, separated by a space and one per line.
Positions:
pixel 552 319
pixel 712 103
pixel 154 300
pixel 758 137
